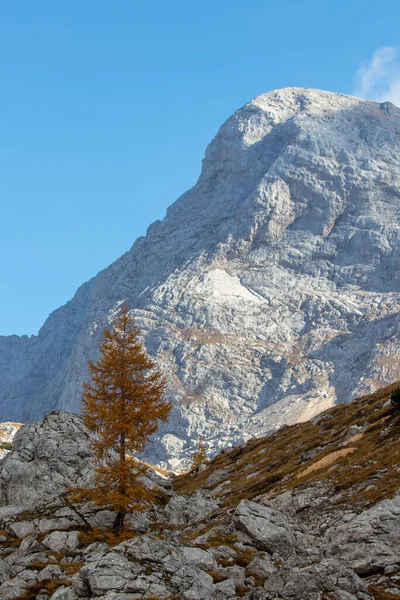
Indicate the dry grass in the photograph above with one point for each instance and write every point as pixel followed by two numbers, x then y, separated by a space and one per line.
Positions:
pixel 47 587
pixel 326 461
pixel 38 565
pixel 266 466
pixel 217 577
pixel 258 577
pixel 244 556
pixel 241 590
pixel 200 529
pixel 354 439
pixel 218 539
pixel 159 470
pixel 68 568
pixel 380 593
pixel 106 536
pixel 11 542
pixel 72 568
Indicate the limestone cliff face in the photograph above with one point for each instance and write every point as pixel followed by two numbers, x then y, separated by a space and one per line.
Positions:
pixel 269 292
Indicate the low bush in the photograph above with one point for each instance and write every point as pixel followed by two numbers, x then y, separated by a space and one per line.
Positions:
pixel 6 445
pixel 89 536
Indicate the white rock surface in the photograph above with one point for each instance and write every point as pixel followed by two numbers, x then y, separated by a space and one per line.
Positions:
pixel 7 434
pixel 21 529
pixel 62 541
pixel 269 292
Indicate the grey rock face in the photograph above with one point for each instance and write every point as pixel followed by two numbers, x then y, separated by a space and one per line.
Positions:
pixel 46 456
pixel 268 528
pixel 370 541
pixel 62 541
pixel 13 589
pixel 311 582
pixel 182 510
pixel 146 565
pixel 21 529
pixel 50 572
pixel 62 594
pixel 270 290
pixel 340 560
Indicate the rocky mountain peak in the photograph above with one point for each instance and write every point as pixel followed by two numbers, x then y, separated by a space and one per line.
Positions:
pixel 269 292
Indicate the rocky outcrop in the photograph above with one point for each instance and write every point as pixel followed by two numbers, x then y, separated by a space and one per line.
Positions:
pixel 45 458
pixel 49 456
pixel 229 529
pixel 370 541
pixel 268 293
pixel 183 510
pixel 259 553
pixel 269 529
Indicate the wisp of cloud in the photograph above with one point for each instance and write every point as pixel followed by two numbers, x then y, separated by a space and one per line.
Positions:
pixel 380 78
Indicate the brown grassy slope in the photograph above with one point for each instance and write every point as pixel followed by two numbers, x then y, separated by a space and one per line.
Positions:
pixel 362 469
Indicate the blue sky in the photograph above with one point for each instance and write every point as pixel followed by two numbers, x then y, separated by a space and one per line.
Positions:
pixel 106 109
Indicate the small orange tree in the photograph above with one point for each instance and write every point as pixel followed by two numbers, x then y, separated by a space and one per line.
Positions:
pixel 199 455
pixel 123 405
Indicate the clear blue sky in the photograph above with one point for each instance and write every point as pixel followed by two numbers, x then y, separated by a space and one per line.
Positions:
pixel 106 108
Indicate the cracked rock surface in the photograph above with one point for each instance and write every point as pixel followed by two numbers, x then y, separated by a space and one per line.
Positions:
pixel 46 456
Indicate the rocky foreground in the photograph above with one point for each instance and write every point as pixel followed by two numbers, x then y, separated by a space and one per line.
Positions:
pixel 310 512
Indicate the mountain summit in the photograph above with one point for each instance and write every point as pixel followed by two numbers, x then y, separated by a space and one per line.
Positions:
pixel 269 292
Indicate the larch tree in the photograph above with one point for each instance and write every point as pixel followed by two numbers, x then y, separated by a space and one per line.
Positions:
pixel 199 455
pixel 123 405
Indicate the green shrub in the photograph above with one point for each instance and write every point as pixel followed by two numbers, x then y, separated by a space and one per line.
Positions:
pixel 6 445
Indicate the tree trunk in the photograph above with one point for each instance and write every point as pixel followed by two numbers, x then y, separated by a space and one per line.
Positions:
pixel 119 522
pixel 120 516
